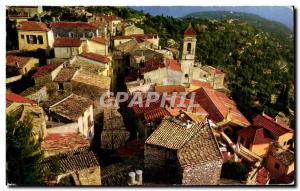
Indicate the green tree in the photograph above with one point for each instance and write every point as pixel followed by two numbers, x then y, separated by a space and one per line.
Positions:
pixel 23 155
pixel 234 170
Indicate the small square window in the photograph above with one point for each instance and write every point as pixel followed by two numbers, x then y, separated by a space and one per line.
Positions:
pixel 277 166
pixel 22 36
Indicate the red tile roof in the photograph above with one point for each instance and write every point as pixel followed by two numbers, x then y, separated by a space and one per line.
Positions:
pixel 33 26
pixel 189 31
pixel 41 71
pixel 82 25
pixel 15 98
pixel 276 128
pixel 169 89
pixel 67 42
pixel 95 57
pixel 173 65
pixel 263 176
pixel 63 142
pixel 65 75
pixel 110 17
pixel 151 65
pixel 16 61
pixel 201 84
pixel 255 135
pixel 217 105
pixel 154 114
pixel 141 110
pixel 100 40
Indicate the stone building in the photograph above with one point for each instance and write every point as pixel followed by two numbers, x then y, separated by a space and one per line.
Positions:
pixel 72 109
pixel 114 133
pixel 34 35
pixel 98 45
pixel 23 13
pixel 182 152
pixel 81 164
pixel 67 47
pixel 132 29
pixel 46 74
pixel 152 38
pixel 82 30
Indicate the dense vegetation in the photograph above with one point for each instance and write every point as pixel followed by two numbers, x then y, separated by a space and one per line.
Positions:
pixel 234 170
pixel 23 154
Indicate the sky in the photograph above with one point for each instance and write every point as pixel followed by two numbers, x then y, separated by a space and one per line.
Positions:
pixel 281 14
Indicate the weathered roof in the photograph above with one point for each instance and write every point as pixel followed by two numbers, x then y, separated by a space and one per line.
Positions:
pixel 217 105
pixel 64 142
pixel 132 148
pixel 276 128
pixel 136 36
pixel 172 135
pixel 71 161
pixel 255 135
pixel 16 61
pixel 287 157
pixel 201 148
pixel 201 84
pixel 155 114
pixel 15 98
pixel 95 57
pixel 41 71
pixel 65 74
pixel 189 31
pixel 100 40
pixel 67 42
pixel 172 65
pixel 33 26
pixel 93 80
pixel 64 24
pixel 71 107
pixel 169 89
pixel 152 64
pixel 128 46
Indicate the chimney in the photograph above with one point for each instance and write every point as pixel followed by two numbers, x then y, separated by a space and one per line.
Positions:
pixel 139 177
pixel 131 180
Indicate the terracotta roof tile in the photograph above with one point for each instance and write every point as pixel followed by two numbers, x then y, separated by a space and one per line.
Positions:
pixel 169 89
pixel 16 61
pixel 33 26
pixel 67 42
pixel 64 142
pixel 255 135
pixel 95 57
pixel 71 107
pixel 71 161
pixel 263 176
pixel 15 98
pixel 172 135
pixel 287 157
pixel 201 84
pixel 154 114
pixel 276 128
pixel 189 31
pixel 41 71
pixel 83 25
pixel 100 40
pixel 173 65
pixel 217 105
pixel 65 75
pixel 132 148
pixel 202 148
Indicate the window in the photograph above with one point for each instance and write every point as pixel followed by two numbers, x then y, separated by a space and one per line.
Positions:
pixel 40 39
pixel 91 34
pixel 60 86
pixel 284 143
pixel 189 47
pixel 277 166
pixel 81 35
pixel 71 34
pixel 90 122
pixel 22 36
pixel 31 39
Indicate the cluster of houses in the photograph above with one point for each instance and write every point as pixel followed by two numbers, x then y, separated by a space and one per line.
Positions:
pixel 180 144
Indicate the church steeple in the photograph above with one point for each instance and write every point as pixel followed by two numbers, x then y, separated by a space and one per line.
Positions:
pixel 188 53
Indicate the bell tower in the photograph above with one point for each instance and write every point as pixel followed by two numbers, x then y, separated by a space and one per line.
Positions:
pixel 188 54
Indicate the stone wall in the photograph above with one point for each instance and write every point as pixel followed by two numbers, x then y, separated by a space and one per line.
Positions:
pixel 75 32
pixel 207 173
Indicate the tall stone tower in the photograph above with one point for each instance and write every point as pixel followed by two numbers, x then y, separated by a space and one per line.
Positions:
pixel 188 54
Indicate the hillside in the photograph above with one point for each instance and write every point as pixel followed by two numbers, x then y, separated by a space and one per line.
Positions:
pixel 274 28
